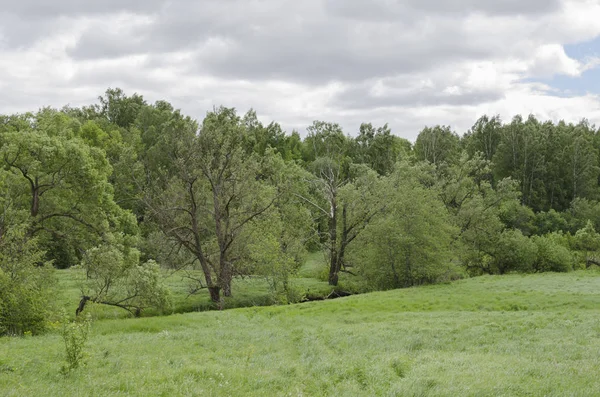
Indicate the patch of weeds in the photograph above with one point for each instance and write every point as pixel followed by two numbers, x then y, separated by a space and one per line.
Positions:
pixel 416 345
pixel 400 367
pixel 75 336
pixel 513 307
pixel 5 369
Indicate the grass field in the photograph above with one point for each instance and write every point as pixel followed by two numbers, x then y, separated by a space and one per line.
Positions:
pixel 516 335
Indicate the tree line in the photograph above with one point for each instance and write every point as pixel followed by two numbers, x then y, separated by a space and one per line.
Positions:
pixel 124 188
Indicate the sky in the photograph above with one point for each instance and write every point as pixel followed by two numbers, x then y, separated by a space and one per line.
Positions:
pixel 408 63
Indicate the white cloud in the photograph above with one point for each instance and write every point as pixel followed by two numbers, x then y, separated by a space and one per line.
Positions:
pixel 551 59
pixel 407 63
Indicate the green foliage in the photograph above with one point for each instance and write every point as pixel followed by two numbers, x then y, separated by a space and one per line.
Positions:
pixel 118 108
pixel 260 138
pixel 512 252
pixel 484 137
pixel 124 181
pixel 554 164
pixel 26 280
pixel 553 254
pixel 115 277
pixel 581 212
pixel 514 215
pixel 62 182
pixel 270 261
pixel 325 140
pixel 482 214
pixel 216 187
pixel 437 145
pixel 26 283
pixel 587 239
pixel 547 222
pixel 379 148
pixel 75 336
pixel 410 243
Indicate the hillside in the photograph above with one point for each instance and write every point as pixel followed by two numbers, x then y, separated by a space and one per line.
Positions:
pixel 498 336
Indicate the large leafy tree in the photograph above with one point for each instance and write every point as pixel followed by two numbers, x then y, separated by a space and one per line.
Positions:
pixel 437 145
pixel 63 182
pixel 484 137
pixel 411 242
pixel 217 189
pixel 342 194
pixel 520 155
pixel 484 241
pixel 379 148
pixel 59 176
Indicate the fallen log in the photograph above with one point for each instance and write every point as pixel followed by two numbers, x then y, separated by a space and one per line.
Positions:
pixel 332 295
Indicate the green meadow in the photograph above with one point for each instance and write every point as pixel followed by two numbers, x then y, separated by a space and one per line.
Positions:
pixel 515 335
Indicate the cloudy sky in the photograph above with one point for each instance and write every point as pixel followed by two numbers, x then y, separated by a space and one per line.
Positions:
pixel 409 63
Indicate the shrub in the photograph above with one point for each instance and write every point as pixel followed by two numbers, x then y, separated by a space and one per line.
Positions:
pixel 75 335
pixel 513 252
pixel 25 285
pixel 553 254
pixel 115 277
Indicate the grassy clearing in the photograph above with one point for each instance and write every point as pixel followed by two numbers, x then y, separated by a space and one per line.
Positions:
pixel 314 266
pixel 489 336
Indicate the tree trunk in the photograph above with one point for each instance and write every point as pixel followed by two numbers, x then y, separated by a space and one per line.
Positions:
pixel 591 261
pixel 344 241
pixel 35 201
pixel 215 293
pixel 227 288
pixel 213 290
pixel 225 277
pixel 333 278
pixel 333 259
pixel 81 305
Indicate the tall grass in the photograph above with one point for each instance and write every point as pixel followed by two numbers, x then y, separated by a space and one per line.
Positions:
pixel 529 335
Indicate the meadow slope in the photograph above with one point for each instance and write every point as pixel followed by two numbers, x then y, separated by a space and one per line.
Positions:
pixel 517 335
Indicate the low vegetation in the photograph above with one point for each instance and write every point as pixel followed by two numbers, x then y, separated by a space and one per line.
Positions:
pixel 512 335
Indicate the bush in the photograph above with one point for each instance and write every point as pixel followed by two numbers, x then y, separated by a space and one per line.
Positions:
pixel 115 277
pixel 513 252
pixel 551 221
pixel 553 254
pixel 25 285
pixel 270 261
pixel 75 335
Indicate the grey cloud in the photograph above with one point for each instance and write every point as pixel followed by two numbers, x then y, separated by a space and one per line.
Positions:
pixel 310 41
pixel 23 22
pixel 53 8
pixel 493 7
pixel 265 43
pixel 394 9
pixel 181 24
pixel 103 43
pixel 361 97
pixel 316 62
pixel 18 96
pixel 18 31
pixel 127 78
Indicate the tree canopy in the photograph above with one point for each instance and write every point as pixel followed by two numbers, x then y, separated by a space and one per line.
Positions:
pixel 124 188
